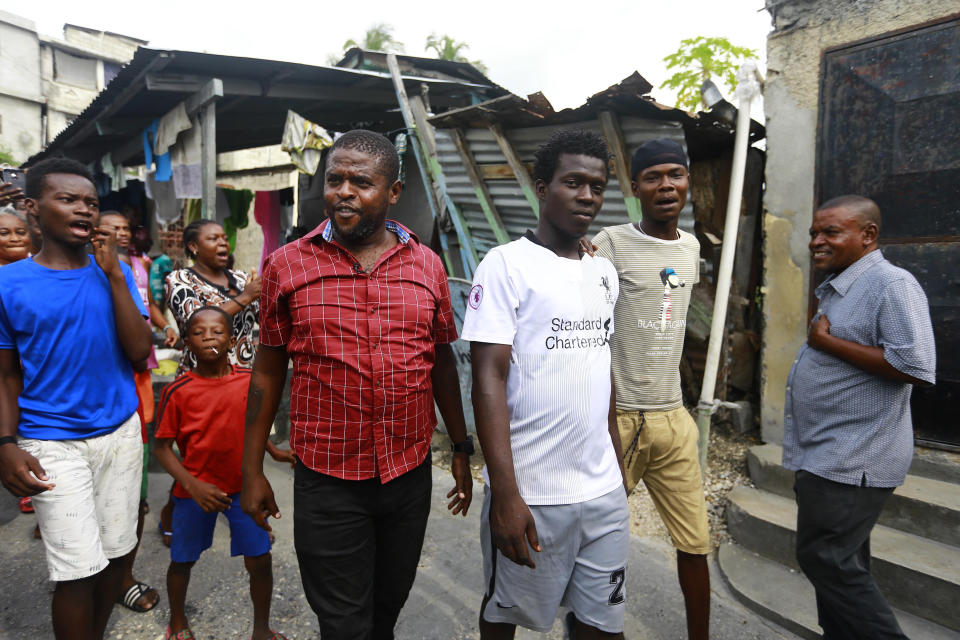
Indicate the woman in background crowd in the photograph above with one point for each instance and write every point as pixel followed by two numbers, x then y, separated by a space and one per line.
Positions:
pixel 14 238
pixel 210 282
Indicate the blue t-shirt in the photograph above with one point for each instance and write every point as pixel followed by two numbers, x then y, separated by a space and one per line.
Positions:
pixel 77 381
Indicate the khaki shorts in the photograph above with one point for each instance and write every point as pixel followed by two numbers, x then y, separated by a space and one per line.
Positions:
pixel 664 455
pixel 90 517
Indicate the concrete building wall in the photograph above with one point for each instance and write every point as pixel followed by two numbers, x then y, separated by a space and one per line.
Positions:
pixel 19 127
pixel 802 30
pixel 109 45
pixel 64 99
pixel 65 74
pixel 20 96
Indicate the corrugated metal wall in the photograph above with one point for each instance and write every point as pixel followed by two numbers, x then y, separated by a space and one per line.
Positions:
pixel 507 196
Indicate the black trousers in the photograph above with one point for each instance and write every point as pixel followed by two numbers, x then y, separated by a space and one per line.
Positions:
pixel 358 544
pixel 834 521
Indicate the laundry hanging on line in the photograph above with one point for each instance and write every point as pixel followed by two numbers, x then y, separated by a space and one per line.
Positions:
pixel 305 142
pixel 163 171
pixel 185 157
pixel 273 211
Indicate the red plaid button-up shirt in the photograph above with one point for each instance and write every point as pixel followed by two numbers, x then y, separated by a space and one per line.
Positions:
pixel 362 347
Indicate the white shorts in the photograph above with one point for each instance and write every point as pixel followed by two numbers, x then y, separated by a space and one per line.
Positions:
pixel 582 566
pixel 90 517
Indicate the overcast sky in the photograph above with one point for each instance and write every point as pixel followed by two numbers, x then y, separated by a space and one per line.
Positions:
pixel 567 50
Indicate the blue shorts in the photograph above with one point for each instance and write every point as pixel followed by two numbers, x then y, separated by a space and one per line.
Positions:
pixel 193 531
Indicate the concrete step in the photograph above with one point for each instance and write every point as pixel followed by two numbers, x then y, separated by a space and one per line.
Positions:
pixel 923 506
pixel 784 596
pixel 918 575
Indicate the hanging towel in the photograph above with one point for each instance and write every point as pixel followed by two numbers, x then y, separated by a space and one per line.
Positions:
pixel 304 141
pixel 163 171
pixel 185 158
pixel 167 207
pixel 169 127
pixel 268 211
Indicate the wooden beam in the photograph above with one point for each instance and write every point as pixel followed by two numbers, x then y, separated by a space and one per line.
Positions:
pixel 180 83
pixel 428 139
pixel 211 90
pixel 518 168
pixel 480 188
pixel 208 160
pixel 204 102
pixel 467 253
pixel 501 171
pixel 621 162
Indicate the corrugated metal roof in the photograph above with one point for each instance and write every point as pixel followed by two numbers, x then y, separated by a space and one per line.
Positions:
pixel 337 98
pixel 507 196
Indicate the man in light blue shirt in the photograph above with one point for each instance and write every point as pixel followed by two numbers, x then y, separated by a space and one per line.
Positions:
pixel 848 433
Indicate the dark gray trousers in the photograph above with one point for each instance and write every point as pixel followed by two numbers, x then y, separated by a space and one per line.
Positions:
pixel 834 521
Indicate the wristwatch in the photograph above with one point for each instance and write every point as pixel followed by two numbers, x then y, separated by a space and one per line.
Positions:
pixel 464 447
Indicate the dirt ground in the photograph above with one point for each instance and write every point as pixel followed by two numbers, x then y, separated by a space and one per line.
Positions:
pixel 726 469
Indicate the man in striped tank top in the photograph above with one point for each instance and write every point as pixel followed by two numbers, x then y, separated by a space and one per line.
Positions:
pixel 657 265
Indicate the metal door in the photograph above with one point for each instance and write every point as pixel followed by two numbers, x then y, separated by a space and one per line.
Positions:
pixel 890 130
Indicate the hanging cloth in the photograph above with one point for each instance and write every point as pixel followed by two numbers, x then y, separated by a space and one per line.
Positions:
pixel 185 158
pixel 268 211
pixel 163 172
pixel 118 178
pixel 192 211
pixel 233 206
pixel 166 205
pixel 169 127
pixel 304 141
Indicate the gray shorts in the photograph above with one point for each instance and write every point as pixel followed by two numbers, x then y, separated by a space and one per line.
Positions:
pixel 582 566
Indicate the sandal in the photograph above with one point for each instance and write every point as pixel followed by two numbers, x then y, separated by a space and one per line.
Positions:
pixel 134 593
pixel 25 504
pixel 183 634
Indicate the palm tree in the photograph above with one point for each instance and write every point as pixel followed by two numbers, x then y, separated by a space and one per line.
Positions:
pixel 447 48
pixel 379 37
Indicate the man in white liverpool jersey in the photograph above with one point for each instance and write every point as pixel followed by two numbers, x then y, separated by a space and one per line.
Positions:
pixel 657 265
pixel 539 320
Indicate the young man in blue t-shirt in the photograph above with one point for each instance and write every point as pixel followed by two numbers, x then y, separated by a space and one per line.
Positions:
pixel 70 326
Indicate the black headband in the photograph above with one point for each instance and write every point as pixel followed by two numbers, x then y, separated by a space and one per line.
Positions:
pixel 654 152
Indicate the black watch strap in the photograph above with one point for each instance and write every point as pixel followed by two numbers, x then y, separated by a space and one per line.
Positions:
pixel 7 440
pixel 464 447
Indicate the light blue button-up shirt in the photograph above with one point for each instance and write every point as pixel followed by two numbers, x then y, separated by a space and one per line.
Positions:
pixel 843 423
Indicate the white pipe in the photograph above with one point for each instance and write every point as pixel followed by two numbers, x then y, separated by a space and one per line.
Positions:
pixel 748 88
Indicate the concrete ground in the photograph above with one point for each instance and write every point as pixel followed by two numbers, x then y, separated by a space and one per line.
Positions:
pixel 443 604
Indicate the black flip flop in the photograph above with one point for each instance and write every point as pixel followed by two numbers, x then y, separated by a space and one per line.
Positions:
pixel 134 593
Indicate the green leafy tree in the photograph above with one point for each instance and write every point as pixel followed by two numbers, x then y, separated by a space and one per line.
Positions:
pixel 700 58
pixel 447 48
pixel 379 37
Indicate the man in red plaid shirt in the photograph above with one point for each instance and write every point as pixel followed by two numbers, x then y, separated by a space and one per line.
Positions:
pixel 363 310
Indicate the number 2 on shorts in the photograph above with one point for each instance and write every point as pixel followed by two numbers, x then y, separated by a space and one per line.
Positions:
pixel 617 578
